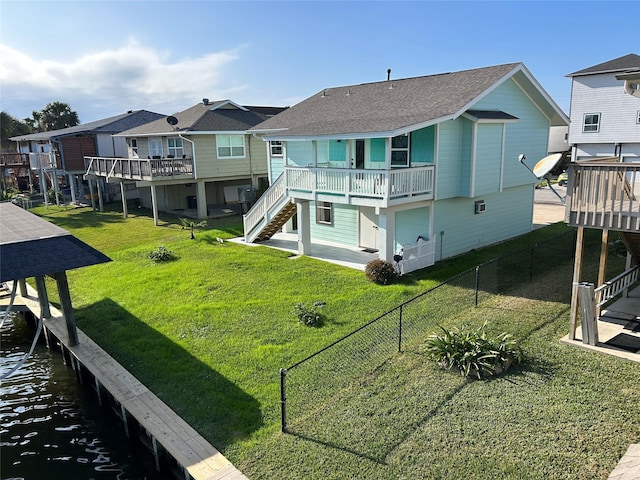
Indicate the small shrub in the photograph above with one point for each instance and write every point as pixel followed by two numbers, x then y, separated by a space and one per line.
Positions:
pixel 380 271
pixel 472 353
pixel 309 316
pixel 161 254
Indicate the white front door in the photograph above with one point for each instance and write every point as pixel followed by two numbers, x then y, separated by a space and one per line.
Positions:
pixel 368 228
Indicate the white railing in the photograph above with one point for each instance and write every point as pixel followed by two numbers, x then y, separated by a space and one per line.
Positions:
pixel 138 169
pixel 604 194
pixel 616 285
pixel 374 184
pixel 260 210
pixel 419 255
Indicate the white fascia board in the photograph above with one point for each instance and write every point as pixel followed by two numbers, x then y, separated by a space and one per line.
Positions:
pixel 228 102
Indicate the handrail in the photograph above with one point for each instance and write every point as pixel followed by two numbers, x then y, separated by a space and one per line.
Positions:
pixel 268 199
pixel 616 285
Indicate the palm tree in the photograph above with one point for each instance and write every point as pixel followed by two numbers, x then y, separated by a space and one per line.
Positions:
pixel 192 225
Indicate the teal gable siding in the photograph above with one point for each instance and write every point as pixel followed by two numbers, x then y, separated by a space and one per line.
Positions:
pixel 528 135
pixel 488 159
pixel 423 143
pixel 508 214
pixel 410 224
pixel 344 230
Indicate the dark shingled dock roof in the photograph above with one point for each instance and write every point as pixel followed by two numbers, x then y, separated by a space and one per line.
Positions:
pixel 30 246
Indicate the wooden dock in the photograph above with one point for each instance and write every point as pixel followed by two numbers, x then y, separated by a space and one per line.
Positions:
pixel 197 457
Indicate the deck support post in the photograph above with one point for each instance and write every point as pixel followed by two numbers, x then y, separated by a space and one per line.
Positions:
pixel 43 298
pixel 304 227
pixel 602 269
pixel 589 323
pixel 67 309
pixel 201 193
pixel 22 283
pixel 577 275
pixel 100 201
pixel 93 200
pixel 123 195
pixel 154 204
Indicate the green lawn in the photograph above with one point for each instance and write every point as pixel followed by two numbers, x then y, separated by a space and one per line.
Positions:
pixel 209 332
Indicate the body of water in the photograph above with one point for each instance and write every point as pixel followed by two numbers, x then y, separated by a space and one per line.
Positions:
pixel 51 427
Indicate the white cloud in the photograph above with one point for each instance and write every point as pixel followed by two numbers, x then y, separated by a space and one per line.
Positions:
pixel 130 77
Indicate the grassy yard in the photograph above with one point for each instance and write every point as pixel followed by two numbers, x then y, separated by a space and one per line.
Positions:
pixel 209 331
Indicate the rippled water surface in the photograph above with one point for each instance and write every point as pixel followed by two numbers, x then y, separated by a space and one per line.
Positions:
pixel 53 428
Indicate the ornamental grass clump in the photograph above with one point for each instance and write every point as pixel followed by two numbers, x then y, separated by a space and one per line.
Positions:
pixel 161 254
pixel 380 271
pixel 472 352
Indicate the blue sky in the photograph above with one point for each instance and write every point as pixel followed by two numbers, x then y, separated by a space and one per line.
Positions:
pixel 106 57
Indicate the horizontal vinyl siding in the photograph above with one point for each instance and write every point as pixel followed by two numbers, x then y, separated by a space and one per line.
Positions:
pixel 618 110
pixel 299 153
pixel 508 214
pixel 528 135
pixel 344 230
pixel 449 163
pixel 210 166
pixel 488 159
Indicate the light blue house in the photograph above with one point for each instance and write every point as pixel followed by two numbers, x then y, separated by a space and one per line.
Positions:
pixel 423 167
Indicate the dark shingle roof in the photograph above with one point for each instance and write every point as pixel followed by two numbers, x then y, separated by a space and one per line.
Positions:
pixel 220 116
pixel 31 246
pixel 394 105
pixel 621 64
pixel 113 124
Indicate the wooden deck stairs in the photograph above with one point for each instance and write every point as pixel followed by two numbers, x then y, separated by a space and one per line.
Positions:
pixel 276 222
pixel 272 210
pixel 632 242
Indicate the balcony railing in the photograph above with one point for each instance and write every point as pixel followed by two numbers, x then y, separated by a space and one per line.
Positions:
pixel 35 161
pixel 359 186
pixel 604 194
pixel 139 169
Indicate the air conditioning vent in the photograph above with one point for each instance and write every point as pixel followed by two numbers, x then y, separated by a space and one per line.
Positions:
pixel 480 206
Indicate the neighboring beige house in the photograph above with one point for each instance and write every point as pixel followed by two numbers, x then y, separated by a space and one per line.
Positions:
pixel 191 160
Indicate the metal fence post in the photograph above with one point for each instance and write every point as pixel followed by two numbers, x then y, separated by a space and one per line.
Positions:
pixel 283 400
pixel 400 331
pixel 477 282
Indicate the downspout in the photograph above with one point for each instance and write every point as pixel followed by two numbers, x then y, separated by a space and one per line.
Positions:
pixel 193 154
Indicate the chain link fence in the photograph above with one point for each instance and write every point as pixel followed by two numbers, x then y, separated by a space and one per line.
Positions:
pixel 309 384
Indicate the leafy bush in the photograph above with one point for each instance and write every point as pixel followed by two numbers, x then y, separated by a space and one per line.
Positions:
pixel 472 353
pixel 308 316
pixel 161 254
pixel 380 271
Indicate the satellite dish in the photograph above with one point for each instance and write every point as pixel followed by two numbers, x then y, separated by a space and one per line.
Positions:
pixel 547 164
pixel 171 120
pixel 632 88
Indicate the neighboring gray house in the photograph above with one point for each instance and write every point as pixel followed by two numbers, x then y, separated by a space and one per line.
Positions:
pixel 605 118
pixel 60 153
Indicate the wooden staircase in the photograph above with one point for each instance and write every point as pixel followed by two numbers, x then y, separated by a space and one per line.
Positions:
pixel 632 242
pixel 276 222
pixel 269 214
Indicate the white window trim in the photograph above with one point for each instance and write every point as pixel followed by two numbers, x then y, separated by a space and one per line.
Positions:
pixel 227 157
pixel 597 125
pixel 323 206
pixel 173 150
pixel 638 116
pixel 280 144
pixel 403 149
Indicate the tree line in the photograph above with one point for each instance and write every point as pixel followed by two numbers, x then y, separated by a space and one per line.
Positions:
pixel 54 116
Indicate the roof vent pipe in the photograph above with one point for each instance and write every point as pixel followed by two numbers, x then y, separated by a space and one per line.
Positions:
pixel 388 74
pixel 205 101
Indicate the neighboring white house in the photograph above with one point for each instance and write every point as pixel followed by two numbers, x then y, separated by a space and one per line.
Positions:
pixel 605 119
pixel 425 166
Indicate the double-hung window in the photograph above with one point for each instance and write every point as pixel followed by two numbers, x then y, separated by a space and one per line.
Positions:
pixel 276 148
pixel 133 147
pixel 591 122
pixel 400 151
pixel 230 146
pixel 174 147
pixel 324 213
